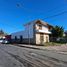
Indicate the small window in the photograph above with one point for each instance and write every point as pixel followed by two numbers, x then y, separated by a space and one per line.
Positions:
pixel 15 37
pixel 21 37
pixel 40 26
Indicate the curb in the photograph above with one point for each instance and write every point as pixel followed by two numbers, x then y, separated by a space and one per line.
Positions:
pixel 30 47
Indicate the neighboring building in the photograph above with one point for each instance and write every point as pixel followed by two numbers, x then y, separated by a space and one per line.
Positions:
pixel 2 35
pixel 36 32
pixel 65 33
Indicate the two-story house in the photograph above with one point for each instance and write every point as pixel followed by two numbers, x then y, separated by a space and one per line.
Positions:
pixel 36 32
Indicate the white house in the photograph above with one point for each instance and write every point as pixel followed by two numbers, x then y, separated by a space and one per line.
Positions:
pixel 36 32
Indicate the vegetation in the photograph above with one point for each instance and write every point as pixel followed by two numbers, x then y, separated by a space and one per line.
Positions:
pixel 54 44
pixel 57 37
pixel 66 34
pixel 57 31
pixel 2 32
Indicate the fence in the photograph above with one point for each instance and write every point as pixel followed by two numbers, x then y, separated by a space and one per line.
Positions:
pixel 58 39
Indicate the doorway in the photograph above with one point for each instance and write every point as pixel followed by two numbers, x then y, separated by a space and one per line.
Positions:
pixel 41 38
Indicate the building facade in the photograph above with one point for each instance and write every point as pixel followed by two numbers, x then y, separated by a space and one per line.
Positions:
pixel 65 33
pixel 2 35
pixel 36 32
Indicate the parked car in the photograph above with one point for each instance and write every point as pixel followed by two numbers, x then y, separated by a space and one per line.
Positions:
pixel 3 41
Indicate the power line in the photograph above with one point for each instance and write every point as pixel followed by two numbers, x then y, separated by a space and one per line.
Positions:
pixel 56 15
pixel 54 9
pixel 20 5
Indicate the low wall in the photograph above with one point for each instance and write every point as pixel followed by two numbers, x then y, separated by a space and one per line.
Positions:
pixel 29 41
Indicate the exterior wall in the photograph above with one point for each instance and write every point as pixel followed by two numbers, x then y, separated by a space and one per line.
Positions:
pixel 46 38
pixel 2 37
pixel 37 27
pixel 43 27
pixel 28 33
pixel 37 38
pixel 26 40
pixel 17 34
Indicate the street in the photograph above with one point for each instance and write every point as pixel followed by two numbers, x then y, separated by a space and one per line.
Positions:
pixel 14 56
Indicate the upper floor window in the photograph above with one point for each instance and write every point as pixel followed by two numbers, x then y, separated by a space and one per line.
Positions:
pixel 40 26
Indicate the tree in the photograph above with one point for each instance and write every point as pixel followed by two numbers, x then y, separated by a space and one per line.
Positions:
pixel 57 31
pixel 1 32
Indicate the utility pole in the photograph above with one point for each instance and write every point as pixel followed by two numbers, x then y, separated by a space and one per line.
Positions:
pixel 28 34
pixel 18 6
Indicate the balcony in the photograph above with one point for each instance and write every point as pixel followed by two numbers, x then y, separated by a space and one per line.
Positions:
pixel 43 31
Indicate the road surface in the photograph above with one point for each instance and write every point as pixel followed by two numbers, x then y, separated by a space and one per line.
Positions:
pixel 14 56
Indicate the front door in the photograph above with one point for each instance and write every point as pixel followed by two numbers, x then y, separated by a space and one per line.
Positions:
pixel 41 38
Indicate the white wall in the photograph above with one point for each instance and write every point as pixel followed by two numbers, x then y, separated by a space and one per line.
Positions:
pixel 18 34
pixel 27 32
pixel 43 27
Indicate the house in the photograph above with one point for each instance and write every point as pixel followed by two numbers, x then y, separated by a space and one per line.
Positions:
pixel 4 38
pixel 36 32
pixel 65 33
pixel 2 35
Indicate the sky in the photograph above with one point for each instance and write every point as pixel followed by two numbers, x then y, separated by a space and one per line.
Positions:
pixel 15 13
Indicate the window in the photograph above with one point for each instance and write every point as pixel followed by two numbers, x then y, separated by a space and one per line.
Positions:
pixel 41 38
pixel 15 37
pixel 21 37
pixel 40 26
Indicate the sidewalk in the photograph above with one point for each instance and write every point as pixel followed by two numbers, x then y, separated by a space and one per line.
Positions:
pixel 56 48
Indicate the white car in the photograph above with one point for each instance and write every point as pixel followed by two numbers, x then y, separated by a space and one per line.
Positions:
pixel 3 41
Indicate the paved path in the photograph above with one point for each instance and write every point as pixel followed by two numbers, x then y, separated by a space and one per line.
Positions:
pixel 13 56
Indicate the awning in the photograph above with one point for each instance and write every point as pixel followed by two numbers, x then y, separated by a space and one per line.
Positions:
pixel 43 31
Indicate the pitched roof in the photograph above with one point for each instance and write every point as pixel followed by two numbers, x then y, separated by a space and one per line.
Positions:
pixel 38 21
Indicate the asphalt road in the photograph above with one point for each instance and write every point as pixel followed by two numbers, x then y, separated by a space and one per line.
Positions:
pixel 14 56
